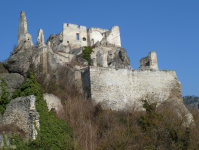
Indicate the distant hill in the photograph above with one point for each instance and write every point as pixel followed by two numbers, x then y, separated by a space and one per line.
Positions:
pixel 191 100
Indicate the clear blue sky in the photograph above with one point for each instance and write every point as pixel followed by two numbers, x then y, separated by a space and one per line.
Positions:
pixel 170 27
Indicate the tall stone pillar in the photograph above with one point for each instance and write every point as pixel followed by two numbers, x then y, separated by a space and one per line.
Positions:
pixel 40 38
pixel 23 34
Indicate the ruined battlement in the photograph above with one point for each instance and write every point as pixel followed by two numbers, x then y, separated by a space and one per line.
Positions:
pixel 74 26
pixel 97 29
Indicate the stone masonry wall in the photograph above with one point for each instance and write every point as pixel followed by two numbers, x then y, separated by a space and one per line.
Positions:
pixel 117 89
pixel 70 32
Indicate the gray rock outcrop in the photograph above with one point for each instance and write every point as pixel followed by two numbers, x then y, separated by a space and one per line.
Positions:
pixel 55 39
pixel 53 102
pixel 22 113
pixel 110 56
pixel 120 60
pixel 13 81
pixel 19 62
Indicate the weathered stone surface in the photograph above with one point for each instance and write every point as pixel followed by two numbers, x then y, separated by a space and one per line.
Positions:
pixel 149 62
pixel 22 46
pixel 40 38
pixel 98 36
pixel 19 63
pixel 76 51
pixel 55 39
pixel 82 61
pixel 22 113
pixel 121 59
pixel 56 59
pixel 12 80
pixel 53 102
pixel 74 35
pixel 110 56
pixel 123 87
pixel 24 38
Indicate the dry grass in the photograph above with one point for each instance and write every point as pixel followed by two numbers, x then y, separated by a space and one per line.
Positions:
pixel 96 128
pixel 11 129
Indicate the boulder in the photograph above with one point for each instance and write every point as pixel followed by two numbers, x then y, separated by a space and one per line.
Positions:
pixel 53 103
pixel 12 80
pixel 55 39
pixel 21 112
pixel 19 62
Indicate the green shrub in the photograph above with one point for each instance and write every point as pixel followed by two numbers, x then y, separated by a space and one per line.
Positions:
pixel 4 97
pixel 87 54
pixel 53 133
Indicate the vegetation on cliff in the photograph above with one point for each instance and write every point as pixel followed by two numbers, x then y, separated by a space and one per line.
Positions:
pixel 87 54
pixel 157 128
pixel 191 100
pixel 54 133
pixel 95 128
pixel 4 100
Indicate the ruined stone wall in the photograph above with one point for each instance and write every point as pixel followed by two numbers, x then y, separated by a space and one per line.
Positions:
pixel 117 89
pixel 70 32
pixel 149 62
pixel 110 56
pixel 113 36
pixel 95 34
pixel 100 55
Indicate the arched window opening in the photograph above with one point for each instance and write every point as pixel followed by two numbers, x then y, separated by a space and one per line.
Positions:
pixel 84 39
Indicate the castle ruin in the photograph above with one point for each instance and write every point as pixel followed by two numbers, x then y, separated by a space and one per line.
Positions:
pixel 110 79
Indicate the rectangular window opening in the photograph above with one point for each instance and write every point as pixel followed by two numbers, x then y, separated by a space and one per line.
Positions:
pixel 77 36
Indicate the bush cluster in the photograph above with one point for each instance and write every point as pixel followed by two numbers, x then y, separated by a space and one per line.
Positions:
pixel 87 54
pixel 4 99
